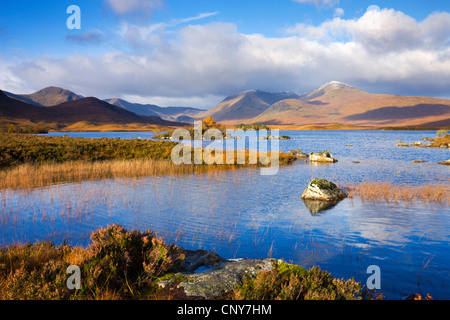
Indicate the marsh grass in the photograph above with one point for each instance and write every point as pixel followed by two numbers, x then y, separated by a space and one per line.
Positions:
pixel 394 193
pixel 35 175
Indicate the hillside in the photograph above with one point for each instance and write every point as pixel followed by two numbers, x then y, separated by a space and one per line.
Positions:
pixel 168 113
pixel 46 97
pixel 90 109
pixel 337 102
pixel 246 105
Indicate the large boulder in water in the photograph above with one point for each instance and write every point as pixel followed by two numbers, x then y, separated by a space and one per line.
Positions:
pixel 322 157
pixel 323 190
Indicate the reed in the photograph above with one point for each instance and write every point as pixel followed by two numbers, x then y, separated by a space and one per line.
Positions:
pixel 36 175
pixel 389 192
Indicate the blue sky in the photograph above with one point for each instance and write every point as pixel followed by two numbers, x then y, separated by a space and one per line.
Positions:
pixel 178 52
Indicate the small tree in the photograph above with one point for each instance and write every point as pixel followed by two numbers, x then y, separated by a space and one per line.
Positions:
pixel 209 122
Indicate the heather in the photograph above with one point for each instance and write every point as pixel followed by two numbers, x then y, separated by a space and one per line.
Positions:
pixel 127 265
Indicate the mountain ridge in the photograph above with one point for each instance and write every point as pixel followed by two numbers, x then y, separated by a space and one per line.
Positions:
pixel 89 109
pixel 333 102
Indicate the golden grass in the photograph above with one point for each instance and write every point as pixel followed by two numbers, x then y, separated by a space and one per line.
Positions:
pixel 386 191
pixel 45 174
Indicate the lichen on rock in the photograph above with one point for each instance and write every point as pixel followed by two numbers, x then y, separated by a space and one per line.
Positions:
pixel 321 189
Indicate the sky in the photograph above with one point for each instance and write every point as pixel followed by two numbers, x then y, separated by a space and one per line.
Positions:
pixel 195 53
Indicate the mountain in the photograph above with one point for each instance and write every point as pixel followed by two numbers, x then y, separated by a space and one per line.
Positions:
pixel 337 102
pixel 168 113
pixel 89 109
pixel 46 97
pixel 245 105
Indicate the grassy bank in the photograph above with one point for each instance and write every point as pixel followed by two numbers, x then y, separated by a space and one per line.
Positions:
pixel 127 265
pixel 37 161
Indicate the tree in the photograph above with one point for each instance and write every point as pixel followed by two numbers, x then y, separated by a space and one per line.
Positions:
pixel 209 122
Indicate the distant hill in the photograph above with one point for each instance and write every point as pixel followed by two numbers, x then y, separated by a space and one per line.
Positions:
pixel 337 102
pixel 167 113
pixel 332 103
pixel 86 109
pixel 245 105
pixel 46 97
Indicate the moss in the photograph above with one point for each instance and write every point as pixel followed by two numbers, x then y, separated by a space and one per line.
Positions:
pixel 324 184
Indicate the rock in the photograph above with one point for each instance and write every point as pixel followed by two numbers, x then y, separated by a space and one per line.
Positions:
pixel 356 161
pixel 271 137
pixel 298 153
pixel 196 259
pixel 418 161
pixel 349 145
pixel 325 157
pixel 417 144
pixel 444 145
pixel 238 137
pixel 221 277
pixel 285 138
pixel 324 190
pixel 402 144
pixel 445 163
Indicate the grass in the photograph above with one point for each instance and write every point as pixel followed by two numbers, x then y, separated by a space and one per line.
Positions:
pixel 438 141
pixel 386 191
pixel 37 161
pixel 126 265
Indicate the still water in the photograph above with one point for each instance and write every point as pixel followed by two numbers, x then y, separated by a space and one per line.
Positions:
pixel 241 214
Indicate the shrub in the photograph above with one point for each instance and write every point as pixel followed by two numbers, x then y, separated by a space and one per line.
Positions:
pixel 118 265
pixel 119 258
pixel 33 271
pixel 291 282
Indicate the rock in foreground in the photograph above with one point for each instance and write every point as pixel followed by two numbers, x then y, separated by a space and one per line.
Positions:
pixel 324 190
pixel 220 276
pixel 445 163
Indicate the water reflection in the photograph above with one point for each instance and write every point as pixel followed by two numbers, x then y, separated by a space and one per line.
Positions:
pixel 317 206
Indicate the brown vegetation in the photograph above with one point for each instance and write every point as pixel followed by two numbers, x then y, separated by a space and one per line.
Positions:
pixel 386 191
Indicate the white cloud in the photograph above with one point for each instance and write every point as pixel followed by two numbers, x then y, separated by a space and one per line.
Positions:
pixel 338 12
pixel 199 63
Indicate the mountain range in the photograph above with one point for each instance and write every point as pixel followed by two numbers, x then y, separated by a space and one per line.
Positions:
pixel 334 102
pixel 77 109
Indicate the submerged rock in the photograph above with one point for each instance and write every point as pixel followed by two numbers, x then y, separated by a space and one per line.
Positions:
pixel 418 161
pixel 324 157
pixel 445 163
pixel 323 190
pixel 402 144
